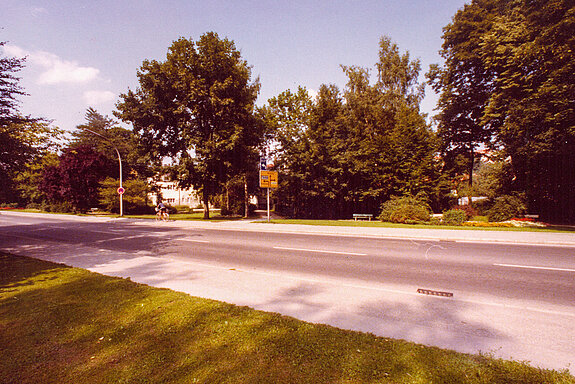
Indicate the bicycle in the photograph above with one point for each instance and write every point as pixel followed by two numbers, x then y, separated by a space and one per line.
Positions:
pixel 162 215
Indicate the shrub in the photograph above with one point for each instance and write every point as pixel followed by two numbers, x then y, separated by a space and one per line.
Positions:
pixel 409 214
pixel 405 209
pixel 507 207
pixel 435 220
pixel 58 207
pixel 468 209
pixel 35 206
pixel 482 207
pixel 454 217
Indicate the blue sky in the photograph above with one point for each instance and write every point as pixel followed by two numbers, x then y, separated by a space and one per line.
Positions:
pixel 85 53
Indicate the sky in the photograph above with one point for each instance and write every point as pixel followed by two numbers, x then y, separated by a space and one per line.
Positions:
pixel 85 53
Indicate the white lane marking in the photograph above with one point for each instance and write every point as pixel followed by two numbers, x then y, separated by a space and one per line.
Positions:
pixel 121 238
pixel 50 228
pixel 535 267
pixel 321 251
pixel 380 288
pixel 194 241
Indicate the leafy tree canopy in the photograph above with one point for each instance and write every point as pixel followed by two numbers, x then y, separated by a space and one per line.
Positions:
pixel 348 151
pixel 197 106
pixel 76 179
pixel 508 83
pixel 104 135
pixel 22 138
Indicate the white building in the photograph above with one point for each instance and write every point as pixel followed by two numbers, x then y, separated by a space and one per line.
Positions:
pixel 172 195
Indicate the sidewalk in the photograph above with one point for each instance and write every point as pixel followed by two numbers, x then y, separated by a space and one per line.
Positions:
pixel 566 239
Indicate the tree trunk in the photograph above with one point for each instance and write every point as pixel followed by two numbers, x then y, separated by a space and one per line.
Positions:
pixel 228 197
pixel 206 201
pixel 246 197
pixel 470 170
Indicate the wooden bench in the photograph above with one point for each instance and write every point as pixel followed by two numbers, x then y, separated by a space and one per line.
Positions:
pixel 360 216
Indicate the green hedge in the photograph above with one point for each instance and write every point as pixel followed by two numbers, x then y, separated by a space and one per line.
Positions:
pixel 507 207
pixel 454 217
pixel 406 210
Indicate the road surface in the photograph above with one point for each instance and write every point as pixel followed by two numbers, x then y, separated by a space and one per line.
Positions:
pixel 512 300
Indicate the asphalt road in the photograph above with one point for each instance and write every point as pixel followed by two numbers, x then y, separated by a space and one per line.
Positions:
pixel 514 300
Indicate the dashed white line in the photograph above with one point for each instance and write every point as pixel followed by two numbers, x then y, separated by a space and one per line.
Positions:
pixel 321 251
pixel 194 240
pixel 535 267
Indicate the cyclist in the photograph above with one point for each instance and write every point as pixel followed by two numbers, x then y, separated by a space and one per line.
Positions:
pixel 162 212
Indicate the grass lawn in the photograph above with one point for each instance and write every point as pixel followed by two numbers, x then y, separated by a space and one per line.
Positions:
pixel 67 325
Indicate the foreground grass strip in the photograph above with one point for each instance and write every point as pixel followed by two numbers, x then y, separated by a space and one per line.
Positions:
pixel 68 325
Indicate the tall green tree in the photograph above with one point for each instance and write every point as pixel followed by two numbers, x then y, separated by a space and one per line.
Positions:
pixel 10 90
pixel 392 147
pixel 508 83
pixel 197 106
pixel 28 180
pixel 531 51
pixel 464 85
pixel 349 151
pixel 288 116
pixel 22 138
pixel 104 135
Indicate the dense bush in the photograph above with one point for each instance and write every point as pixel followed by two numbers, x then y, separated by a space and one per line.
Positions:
pixel 469 210
pixel 406 209
pixel 482 207
pixel 455 217
pixel 59 207
pixel 507 207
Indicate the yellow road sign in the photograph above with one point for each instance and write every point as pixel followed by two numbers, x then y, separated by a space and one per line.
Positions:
pixel 268 179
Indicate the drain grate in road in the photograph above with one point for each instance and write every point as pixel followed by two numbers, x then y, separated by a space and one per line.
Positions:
pixel 434 293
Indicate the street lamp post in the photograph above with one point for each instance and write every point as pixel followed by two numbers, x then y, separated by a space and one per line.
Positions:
pixel 121 188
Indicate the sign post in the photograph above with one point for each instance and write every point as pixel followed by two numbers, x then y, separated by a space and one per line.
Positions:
pixel 121 191
pixel 268 179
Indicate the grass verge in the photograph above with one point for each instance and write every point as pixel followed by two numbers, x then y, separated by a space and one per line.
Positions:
pixel 67 325
pixel 381 224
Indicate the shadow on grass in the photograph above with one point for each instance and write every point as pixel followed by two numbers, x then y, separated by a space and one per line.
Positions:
pixel 16 271
pixel 429 320
pixel 70 325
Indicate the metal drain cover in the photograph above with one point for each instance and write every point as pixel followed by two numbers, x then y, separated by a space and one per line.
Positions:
pixel 434 293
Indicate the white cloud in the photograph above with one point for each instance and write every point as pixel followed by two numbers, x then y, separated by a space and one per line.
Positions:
pixel 54 69
pixel 14 51
pixel 94 98
pixel 62 71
